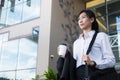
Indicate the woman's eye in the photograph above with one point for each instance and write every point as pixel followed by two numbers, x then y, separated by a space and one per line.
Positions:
pixel 80 18
pixel 83 17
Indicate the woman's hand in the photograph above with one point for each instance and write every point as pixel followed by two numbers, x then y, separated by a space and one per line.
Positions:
pixel 88 61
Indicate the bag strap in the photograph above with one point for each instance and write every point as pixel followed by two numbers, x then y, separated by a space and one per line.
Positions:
pixel 88 51
pixel 91 43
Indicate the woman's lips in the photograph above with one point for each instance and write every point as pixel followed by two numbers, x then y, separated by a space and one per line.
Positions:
pixel 81 24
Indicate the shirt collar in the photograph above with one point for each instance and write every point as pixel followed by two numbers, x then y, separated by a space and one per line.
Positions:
pixel 89 34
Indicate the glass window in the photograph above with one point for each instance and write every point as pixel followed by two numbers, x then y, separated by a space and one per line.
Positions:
pixel 9 55
pixel 114 14
pixel 18 1
pixel 18 58
pixel 27 53
pixel 7 75
pixel 98 7
pixel 5 4
pixel 3 18
pixel 114 23
pixel 31 9
pixel 26 74
pixel 13 3
pixel 18 11
pixel 3 38
pixel 113 6
pixel 14 15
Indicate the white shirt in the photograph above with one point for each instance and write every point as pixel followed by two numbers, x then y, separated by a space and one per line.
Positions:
pixel 101 51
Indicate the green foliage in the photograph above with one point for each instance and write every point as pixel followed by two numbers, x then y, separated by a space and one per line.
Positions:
pixel 50 75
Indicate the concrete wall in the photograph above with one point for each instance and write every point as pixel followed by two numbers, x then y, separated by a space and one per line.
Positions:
pixel 57 34
pixel 44 36
pixel 20 30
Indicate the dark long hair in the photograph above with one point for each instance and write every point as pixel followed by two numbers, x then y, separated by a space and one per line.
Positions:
pixel 90 14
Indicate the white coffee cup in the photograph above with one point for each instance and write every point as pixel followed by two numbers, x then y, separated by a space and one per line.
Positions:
pixel 62 49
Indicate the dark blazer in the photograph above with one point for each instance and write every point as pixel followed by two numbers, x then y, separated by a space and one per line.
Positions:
pixel 66 67
pixel 67 70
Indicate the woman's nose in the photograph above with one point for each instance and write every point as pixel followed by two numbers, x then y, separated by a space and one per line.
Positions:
pixel 79 21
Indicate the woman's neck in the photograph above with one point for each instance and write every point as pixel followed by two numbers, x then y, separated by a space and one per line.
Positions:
pixel 86 31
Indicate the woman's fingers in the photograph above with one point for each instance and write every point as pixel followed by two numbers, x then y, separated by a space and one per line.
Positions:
pixel 86 59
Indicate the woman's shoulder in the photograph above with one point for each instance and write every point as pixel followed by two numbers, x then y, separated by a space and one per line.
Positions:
pixel 102 34
pixel 76 41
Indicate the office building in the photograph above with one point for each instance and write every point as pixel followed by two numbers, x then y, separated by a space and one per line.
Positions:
pixel 31 30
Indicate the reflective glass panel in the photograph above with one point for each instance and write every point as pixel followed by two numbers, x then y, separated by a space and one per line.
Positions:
pixel 3 18
pixel 96 6
pixel 114 23
pixel 9 55
pixel 99 8
pixel 18 58
pixel 31 9
pixel 18 11
pixel 14 15
pixel 5 4
pixel 10 75
pixel 113 6
pixel 26 74
pixel 27 53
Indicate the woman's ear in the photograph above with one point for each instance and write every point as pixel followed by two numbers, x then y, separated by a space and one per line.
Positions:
pixel 92 20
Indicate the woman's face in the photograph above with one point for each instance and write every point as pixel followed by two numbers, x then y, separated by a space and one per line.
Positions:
pixel 84 21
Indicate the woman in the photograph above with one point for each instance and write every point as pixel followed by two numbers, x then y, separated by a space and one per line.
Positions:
pixel 100 57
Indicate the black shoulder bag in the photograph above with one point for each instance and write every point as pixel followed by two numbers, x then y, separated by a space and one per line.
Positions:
pixel 92 73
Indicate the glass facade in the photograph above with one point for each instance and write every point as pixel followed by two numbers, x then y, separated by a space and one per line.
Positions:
pixel 108 17
pixel 18 58
pixel 18 11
